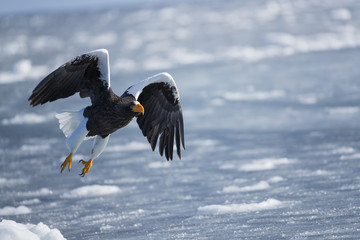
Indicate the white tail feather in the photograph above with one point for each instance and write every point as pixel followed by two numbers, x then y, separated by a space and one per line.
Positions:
pixel 69 121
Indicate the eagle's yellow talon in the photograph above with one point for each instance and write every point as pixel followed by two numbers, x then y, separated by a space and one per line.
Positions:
pixel 67 161
pixel 87 167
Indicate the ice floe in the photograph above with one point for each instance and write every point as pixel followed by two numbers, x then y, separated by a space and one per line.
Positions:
pixel 321 172
pixel 131 146
pixel 262 185
pixel 254 95
pixel 30 201
pixel 44 43
pixel 23 70
pixel 124 64
pixel 36 193
pixel 307 99
pixel 276 179
pixel 27 118
pixel 343 150
pixel 244 207
pixel 98 40
pixel 11 181
pixel 341 14
pixel 342 111
pixel 350 157
pixel 345 37
pixel 9 211
pixel 92 191
pixel 34 149
pixel 159 164
pixel 264 164
pixel 11 230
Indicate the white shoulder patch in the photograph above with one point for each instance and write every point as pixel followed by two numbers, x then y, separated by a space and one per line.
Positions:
pixel 103 64
pixel 164 77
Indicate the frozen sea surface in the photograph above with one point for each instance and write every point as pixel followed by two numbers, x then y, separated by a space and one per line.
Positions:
pixel 270 94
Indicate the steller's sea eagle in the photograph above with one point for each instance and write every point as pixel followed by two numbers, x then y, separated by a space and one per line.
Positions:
pixel 155 102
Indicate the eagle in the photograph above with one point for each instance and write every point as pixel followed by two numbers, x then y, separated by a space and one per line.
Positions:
pixel 154 102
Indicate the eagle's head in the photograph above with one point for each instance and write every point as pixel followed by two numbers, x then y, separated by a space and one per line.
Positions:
pixel 136 108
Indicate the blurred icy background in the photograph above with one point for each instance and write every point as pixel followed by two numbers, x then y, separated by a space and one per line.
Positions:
pixel 270 92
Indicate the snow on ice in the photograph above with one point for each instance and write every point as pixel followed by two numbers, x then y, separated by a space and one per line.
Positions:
pixel 7 211
pixel 11 230
pixel 262 185
pixel 23 70
pixel 238 208
pixel 264 164
pixel 27 118
pixel 92 191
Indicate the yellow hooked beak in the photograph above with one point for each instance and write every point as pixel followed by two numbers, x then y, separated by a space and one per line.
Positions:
pixel 138 108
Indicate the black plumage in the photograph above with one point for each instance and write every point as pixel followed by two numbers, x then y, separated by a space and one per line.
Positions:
pixel 165 118
pixel 78 75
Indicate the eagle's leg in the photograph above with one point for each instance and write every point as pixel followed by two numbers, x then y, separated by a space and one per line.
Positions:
pixel 87 167
pixel 98 147
pixel 74 142
pixel 67 161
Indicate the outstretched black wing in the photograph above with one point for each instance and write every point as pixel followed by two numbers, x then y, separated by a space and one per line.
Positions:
pixel 162 117
pixel 87 74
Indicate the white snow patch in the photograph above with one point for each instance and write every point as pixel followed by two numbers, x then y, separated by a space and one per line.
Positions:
pixel 307 100
pixel 253 95
pixel 27 118
pixel 124 64
pixel 341 14
pixel 92 191
pixel 132 146
pixel 187 197
pixel 343 150
pixel 22 70
pixel 30 201
pixel 276 179
pixel 36 193
pixel 11 230
pixel 350 157
pixel 17 45
pixel 175 57
pixel 262 185
pixel 11 181
pixel 264 164
pixel 159 165
pixel 45 43
pixel 98 40
pixel 34 148
pixel 156 63
pixel 217 102
pixel 204 143
pixel 137 212
pixel 9 211
pixel 320 172
pixel 289 44
pixel 126 180
pixel 227 166
pixel 252 54
pixel 342 111
pixel 239 208
pixel 186 56
pixel 104 228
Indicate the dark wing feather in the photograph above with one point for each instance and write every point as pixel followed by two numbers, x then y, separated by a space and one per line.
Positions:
pixel 163 120
pixel 163 116
pixel 85 74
